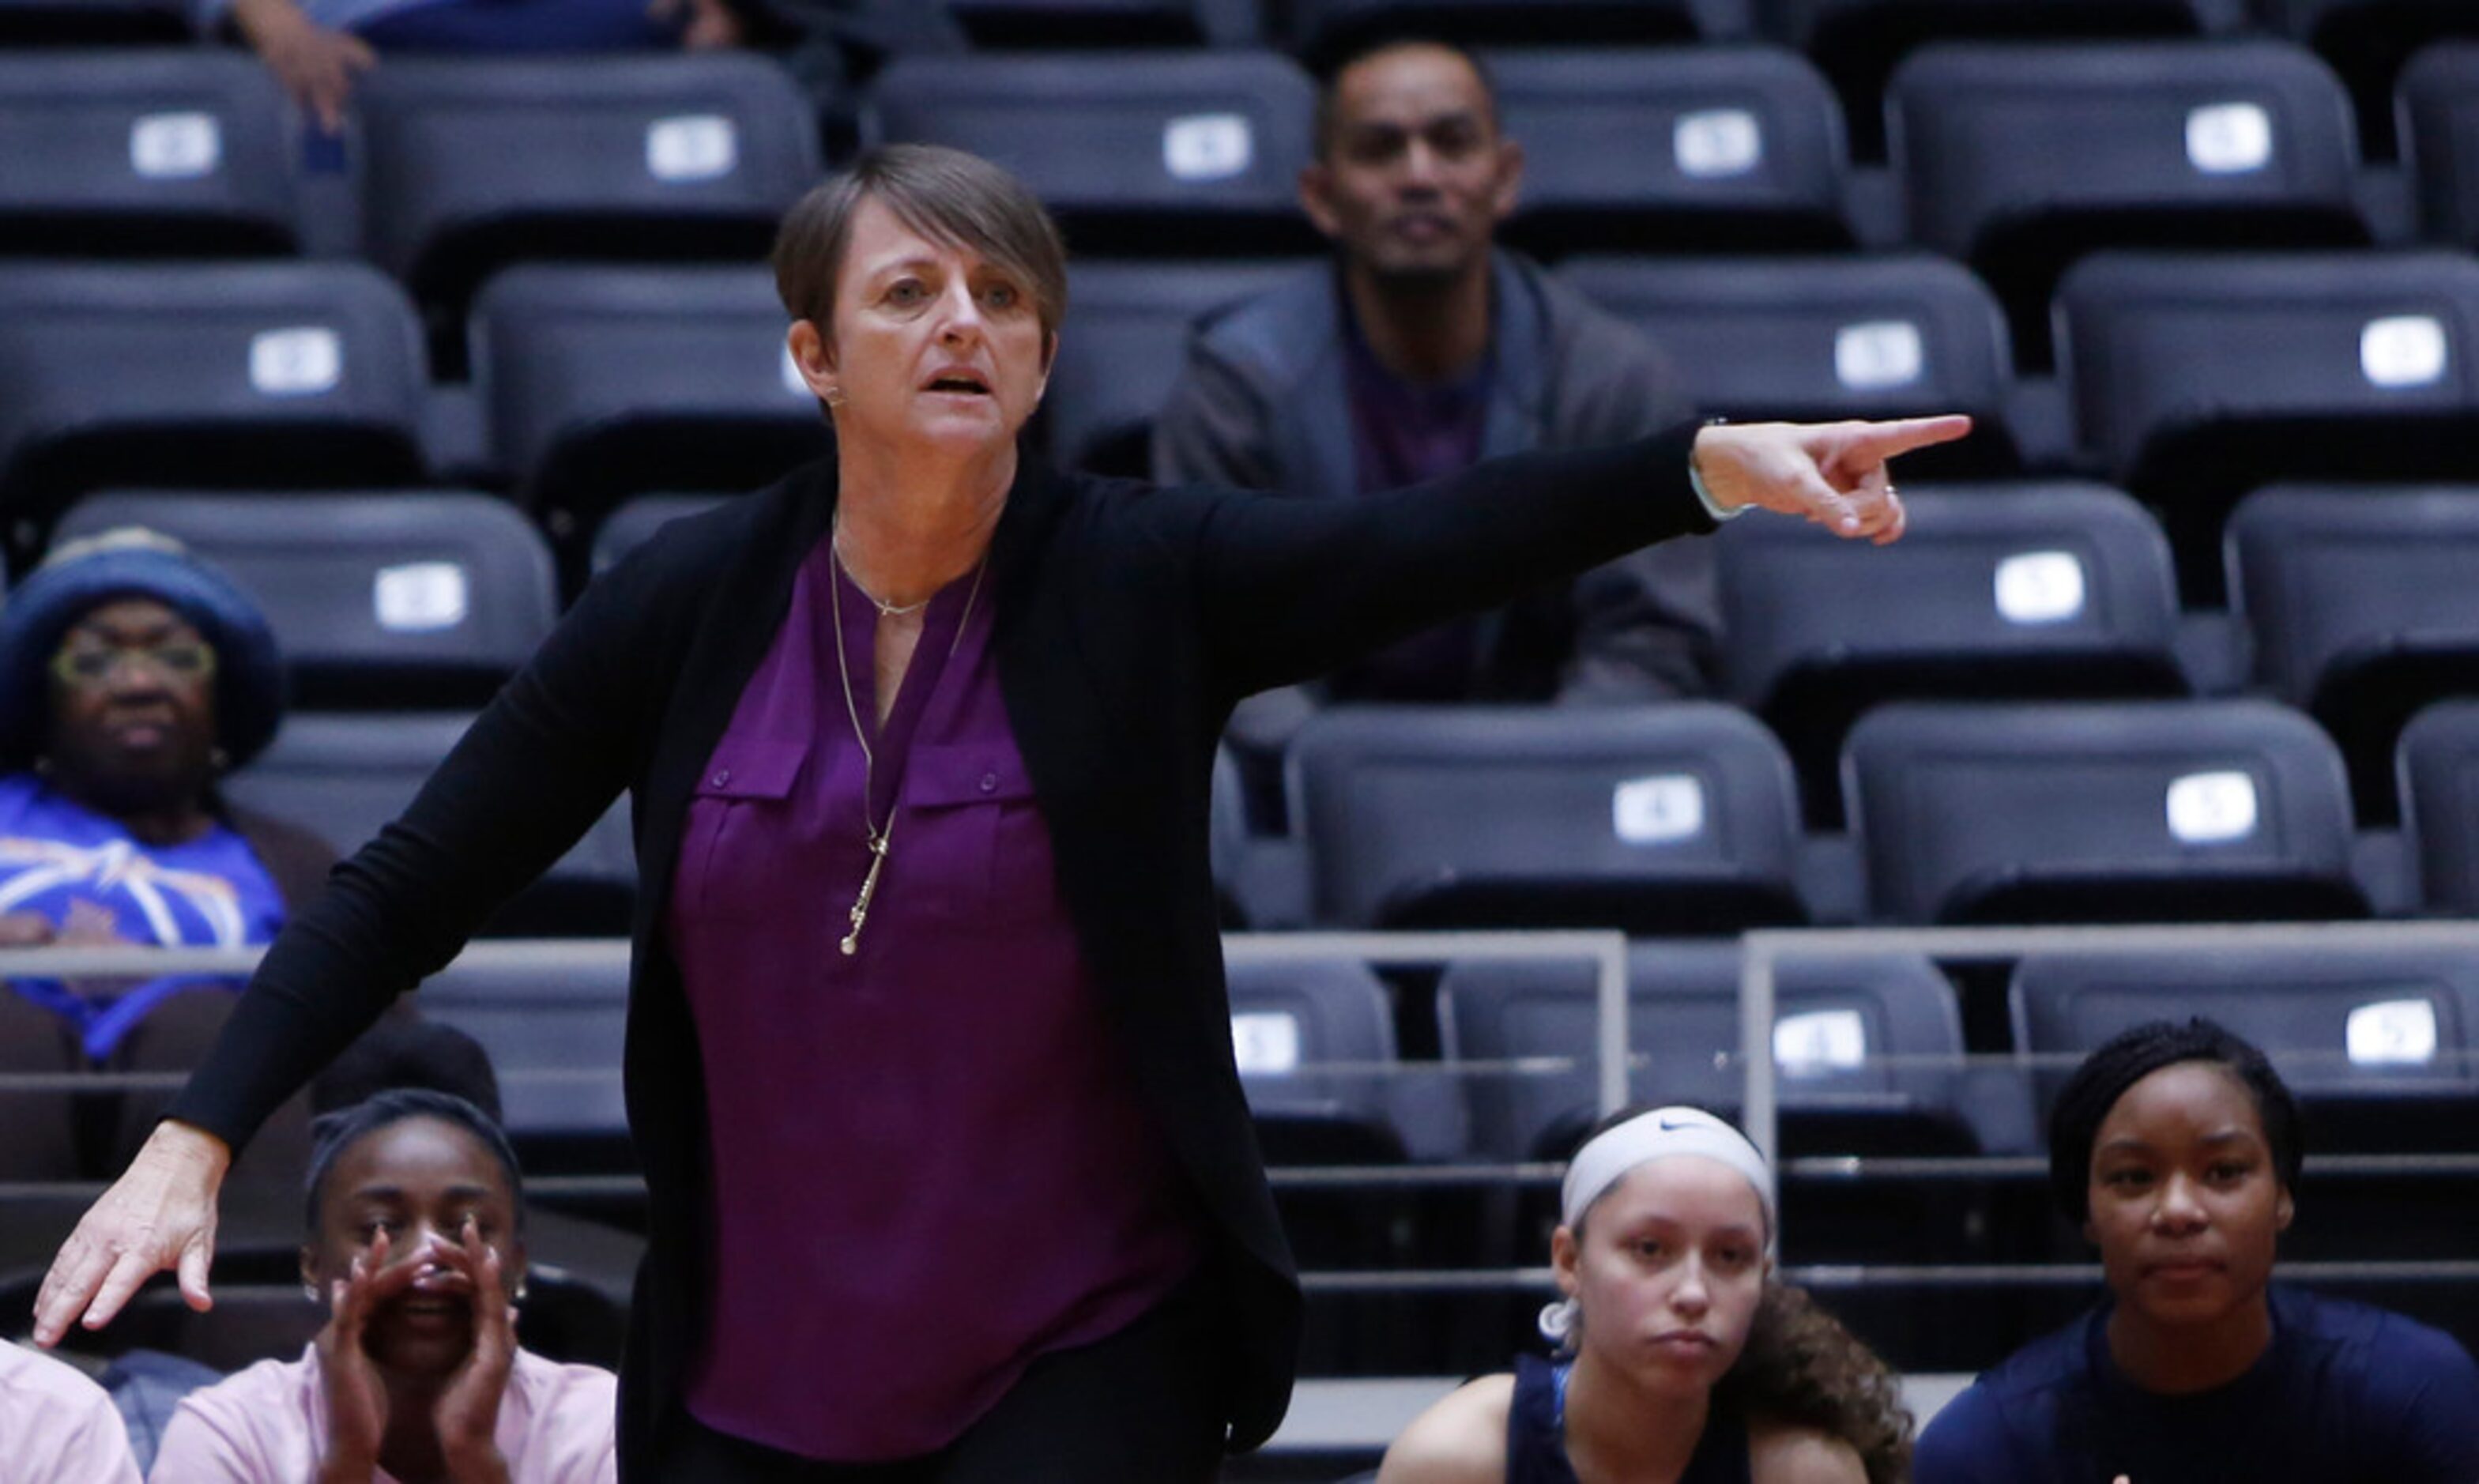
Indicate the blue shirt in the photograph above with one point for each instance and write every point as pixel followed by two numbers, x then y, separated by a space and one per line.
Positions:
pixel 57 857
pixel 1536 1432
pixel 2346 1395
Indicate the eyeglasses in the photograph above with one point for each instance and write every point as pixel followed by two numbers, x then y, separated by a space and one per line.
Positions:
pixel 84 666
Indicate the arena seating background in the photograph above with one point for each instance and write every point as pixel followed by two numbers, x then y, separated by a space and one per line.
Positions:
pixel 2178 635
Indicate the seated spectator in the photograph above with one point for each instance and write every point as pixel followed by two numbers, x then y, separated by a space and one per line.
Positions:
pixel 131 677
pixel 1419 351
pixel 2177 1148
pixel 1679 1355
pixel 315 47
pixel 416 1244
pixel 59 1427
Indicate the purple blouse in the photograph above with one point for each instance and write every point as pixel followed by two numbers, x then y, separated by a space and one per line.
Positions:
pixel 930 1161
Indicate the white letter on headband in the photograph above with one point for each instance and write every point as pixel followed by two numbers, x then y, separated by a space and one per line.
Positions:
pixel 1657 1135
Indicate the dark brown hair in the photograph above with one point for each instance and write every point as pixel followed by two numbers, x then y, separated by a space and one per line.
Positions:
pixel 1801 1368
pixel 951 197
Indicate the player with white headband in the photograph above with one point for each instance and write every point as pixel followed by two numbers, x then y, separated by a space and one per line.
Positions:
pixel 1679 1359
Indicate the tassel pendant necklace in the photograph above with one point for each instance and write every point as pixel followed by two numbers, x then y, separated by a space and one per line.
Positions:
pixel 880 837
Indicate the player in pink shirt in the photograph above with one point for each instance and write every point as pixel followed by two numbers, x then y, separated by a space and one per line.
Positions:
pixel 57 1428
pixel 417 1245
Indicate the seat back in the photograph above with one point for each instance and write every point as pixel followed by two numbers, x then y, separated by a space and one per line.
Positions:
pixel 2196 378
pixel 1821 339
pixel 2374 44
pixel 2032 591
pixel 1836 1023
pixel 1716 148
pixel 1676 818
pixel 387 600
pixel 2438 773
pixel 556 1038
pixel 2022 159
pixel 2361 609
pixel 282 376
pixel 154 153
pixel 2126 811
pixel 1096 23
pixel 1327 28
pixel 470 163
pixel 2386 1030
pixel 1133 325
pixel 1159 154
pixel 605 382
pixel 637 520
pixel 1315 1041
pixel 344 776
pixel 1860 43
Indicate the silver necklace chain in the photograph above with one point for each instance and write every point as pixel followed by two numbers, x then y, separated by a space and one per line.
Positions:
pixel 884 609
pixel 880 839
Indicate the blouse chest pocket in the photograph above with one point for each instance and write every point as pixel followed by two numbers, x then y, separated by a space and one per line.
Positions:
pixel 977 833
pixel 740 826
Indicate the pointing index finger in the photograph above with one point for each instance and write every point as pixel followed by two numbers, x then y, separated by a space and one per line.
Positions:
pixel 1873 443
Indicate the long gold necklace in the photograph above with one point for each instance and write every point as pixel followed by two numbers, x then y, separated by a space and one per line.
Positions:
pixel 880 837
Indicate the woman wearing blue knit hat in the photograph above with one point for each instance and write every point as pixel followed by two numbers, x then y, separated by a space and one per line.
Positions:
pixel 131 676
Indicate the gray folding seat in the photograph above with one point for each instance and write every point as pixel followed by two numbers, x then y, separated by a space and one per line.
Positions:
pixel 473 163
pixel 142 153
pixel 1821 339
pixel 393 599
pixel 2197 377
pixel 1706 148
pixel 1676 818
pixel 2019 160
pixel 2038 591
pixel 2099 812
pixel 1124 352
pixel 2438 770
pixel 599 383
pixel 272 375
pixel 344 776
pixel 1173 154
pixel 2362 608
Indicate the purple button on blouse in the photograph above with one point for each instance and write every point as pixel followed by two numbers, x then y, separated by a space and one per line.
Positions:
pixel 930 1161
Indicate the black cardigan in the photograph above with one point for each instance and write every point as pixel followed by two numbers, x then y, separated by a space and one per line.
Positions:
pixel 1128 620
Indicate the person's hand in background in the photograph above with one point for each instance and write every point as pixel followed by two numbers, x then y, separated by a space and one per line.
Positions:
pixel 315 64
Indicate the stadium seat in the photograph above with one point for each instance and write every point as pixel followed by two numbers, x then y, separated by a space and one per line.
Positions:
pixel 343 776
pixel 2022 159
pixel 1858 42
pixel 1702 148
pixel 2440 144
pixel 2368 43
pixel 468 164
pixel 2376 1043
pixel 2438 767
pixel 1677 818
pixel 1124 351
pixel 279 376
pixel 633 523
pixel 1098 23
pixel 1289 1020
pixel 556 1039
pixel 1189 153
pixel 2362 610
pixel 2391 1027
pixel 605 382
pixel 1321 29
pixel 147 153
pixel 37 1126
pixel 391 600
pixel 1835 1019
pixel 1817 339
pixel 46 24
pixel 2132 812
pixel 2196 378
pixel 2046 591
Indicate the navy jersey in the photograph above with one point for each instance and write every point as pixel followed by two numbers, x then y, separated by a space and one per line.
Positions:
pixel 2346 1395
pixel 1536 1433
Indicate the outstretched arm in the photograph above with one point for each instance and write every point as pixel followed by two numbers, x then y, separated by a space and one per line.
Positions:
pixel 1292 589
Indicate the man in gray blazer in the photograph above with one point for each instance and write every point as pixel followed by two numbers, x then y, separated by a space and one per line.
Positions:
pixel 1423 349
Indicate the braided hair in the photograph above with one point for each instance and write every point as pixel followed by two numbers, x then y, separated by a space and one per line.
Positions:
pixel 331 1134
pixel 2137 1053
